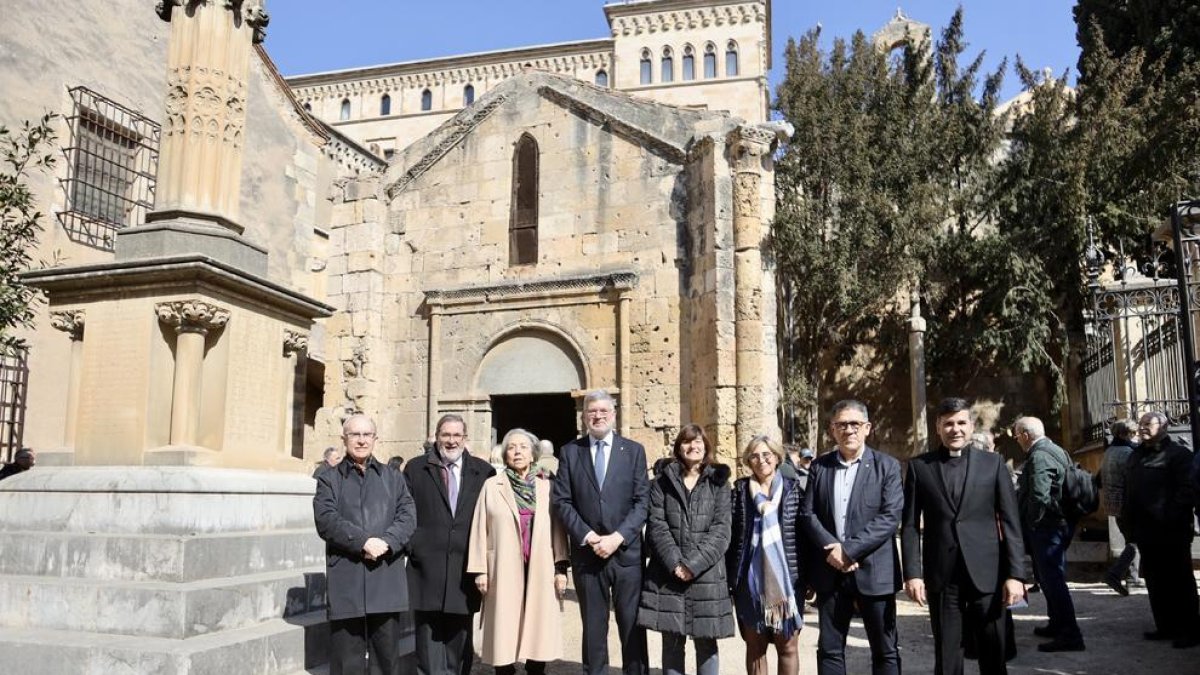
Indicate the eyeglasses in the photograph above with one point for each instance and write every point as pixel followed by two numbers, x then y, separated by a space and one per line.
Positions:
pixel 365 435
pixel 761 456
pixel 598 413
pixel 851 425
pixel 452 437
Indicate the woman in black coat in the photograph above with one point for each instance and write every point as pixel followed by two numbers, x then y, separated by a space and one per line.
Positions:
pixel 766 580
pixel 685 592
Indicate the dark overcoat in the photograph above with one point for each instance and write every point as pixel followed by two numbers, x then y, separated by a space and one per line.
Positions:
pixel 689 528
pixel 1158 492
pixel 742 529
pixel 350 508
pixel 437 563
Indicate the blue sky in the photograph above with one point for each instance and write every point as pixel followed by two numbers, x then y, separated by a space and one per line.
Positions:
pixel 309 36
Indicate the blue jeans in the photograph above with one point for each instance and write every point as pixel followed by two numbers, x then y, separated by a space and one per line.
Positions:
pixel 1048 548
pixel 706 655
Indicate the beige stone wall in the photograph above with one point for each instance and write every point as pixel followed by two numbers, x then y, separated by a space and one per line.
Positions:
pixel 51 48
pixel 605 204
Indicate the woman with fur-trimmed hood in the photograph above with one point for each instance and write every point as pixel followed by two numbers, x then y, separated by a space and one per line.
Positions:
pixel 685 593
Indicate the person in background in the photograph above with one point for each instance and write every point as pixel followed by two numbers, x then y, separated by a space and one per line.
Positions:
pixel 685 593
pixel 1157 507
pixel 24 460
pixel 547 462
pixel 332 457
pixel 762 564
pixel 396 463
pixel 519 563
pixel 1112 479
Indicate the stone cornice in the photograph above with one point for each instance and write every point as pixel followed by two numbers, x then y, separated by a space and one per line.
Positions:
pixel 592 284
pixel 459 127
pixel 464 69
pixel 252 12
pixel 678 15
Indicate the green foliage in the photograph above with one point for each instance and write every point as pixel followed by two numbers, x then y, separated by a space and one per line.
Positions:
pixel 841 245
pixel 20 223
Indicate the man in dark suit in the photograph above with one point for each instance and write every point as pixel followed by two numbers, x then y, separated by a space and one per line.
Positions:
pixel 967 557
pixel 602 495
pixel 850 514
pixel 365 514
pixel 445 484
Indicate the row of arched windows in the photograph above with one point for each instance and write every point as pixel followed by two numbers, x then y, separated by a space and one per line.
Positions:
pixel 688 63
pixel 385 103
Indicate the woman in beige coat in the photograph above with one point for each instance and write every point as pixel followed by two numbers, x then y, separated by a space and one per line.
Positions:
pixel 519 552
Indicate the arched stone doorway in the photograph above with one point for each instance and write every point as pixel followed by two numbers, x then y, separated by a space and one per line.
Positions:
pixel 531 378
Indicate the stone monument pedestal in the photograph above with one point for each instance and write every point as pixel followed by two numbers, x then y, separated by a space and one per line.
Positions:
pixel 146 570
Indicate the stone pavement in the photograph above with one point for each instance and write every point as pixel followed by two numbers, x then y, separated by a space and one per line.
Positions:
pixel 1112 627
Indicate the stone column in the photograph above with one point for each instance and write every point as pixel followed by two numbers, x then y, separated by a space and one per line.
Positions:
pixel 71 322
pixel 192 320
pixel 624 378
pixel 435 368
pixel 200 164
pixel 295 344
pixel 748 147
pixel 916 370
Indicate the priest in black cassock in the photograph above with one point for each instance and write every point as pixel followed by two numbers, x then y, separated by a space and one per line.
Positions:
pixel 961 540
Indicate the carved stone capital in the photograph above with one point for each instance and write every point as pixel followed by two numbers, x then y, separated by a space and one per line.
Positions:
pixel 192 316
pixel 747 146
pixel 70 322
pixel 253 12
pixel 294 342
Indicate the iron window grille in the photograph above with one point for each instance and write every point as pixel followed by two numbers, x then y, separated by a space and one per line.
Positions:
pixel 112 164
pixel 14 382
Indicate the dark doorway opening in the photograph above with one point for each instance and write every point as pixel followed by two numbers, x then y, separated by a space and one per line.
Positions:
pixel 548 416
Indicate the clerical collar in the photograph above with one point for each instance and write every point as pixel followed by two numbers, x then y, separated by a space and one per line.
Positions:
pixel 954 453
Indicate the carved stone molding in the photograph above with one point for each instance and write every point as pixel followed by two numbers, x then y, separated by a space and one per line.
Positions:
pixel 70 322
pixel 205 104
pixel 192 316
pixel 689 19
pixel 252 12
pixel 544 288
pixel 458 127
pixel 294 342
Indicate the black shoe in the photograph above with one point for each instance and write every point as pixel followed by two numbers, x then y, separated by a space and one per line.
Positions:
pixel 1117 586
pixel 1044 632
pixel 1057 645
pixel 1157 635
pixel 1186 642
pixel 1036 588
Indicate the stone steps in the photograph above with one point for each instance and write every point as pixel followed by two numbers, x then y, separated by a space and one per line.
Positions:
pixel 275 647
pixel 161 557
pixel 159 609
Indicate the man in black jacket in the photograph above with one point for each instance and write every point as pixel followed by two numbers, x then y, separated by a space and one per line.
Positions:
pixel 365 514
pixel 968 557
pixel 850 513
pixel 445 483
pixel 1158 510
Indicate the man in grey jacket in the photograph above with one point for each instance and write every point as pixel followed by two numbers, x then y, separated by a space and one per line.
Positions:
pixel 1047 531
pixel 365 514
pixel 1112 479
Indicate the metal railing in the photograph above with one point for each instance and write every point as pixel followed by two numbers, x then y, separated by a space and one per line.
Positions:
pixel 14 382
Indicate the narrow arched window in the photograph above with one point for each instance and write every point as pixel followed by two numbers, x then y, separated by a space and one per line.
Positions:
pixel 468 95
pixel 601 78
pixel 689 63
pixel 385 105
pixel 647 67
pixel 710 61
pixel 731 59
pixel 668 65
pixel 522 229
pixel 308 107
pixel 427 100
pixel 345 113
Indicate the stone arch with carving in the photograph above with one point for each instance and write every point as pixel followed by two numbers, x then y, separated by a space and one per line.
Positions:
pixel 549 346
